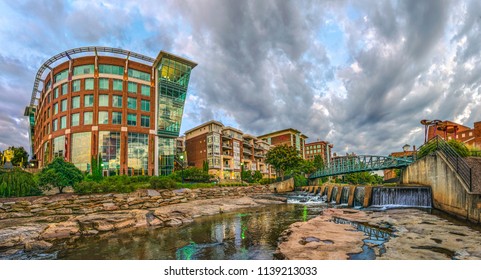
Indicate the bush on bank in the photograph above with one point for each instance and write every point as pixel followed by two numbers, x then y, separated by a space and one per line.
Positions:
pixel 17 183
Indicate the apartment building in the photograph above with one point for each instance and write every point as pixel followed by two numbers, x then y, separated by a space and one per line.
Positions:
pixel 290 137
pixel 321 148
pixel 227 150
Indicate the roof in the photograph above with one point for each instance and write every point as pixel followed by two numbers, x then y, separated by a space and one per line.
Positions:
pixel 292 130
pixel 202 125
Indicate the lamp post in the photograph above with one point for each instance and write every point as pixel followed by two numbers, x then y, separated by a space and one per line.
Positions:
pixel 242 171
pixel 182 167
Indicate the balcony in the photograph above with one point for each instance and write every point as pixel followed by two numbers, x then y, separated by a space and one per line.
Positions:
pixel 247 152
pixel 227 167
pixel 226 146
pixel 227 136
pixel 261 155
pixel 227 154
pixel 258 147
pixel 247 144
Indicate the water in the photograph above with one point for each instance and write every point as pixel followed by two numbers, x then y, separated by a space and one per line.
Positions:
pixel 402 197
pixel 233 236
pixel 305 198
pixel 359 194
pixel 334 195
pixel 345 195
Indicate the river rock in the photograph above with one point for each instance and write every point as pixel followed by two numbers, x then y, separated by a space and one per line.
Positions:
pixel 37 245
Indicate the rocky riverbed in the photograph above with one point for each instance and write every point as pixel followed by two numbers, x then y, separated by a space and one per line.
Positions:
pixel 410 235
pixel 39 233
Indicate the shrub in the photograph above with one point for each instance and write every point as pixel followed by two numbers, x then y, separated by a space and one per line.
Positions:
pixel 266 181
pixel 17 183
pixel 459 147
pixel 104 186
pixel 162 183
pixel 59 174
pixel 191 174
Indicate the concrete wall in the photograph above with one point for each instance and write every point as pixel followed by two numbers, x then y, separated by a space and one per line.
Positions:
pixel 449 192
pixel 284 186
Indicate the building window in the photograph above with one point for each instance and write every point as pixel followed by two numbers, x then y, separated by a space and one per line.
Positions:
pixel 103 117
pixel 55 125
pixel 76 86
pixel 88 118
pixel 59 146
pixel 145 90
pixel 55 108
pixel 63 122
pixel 80 147
pixel 145 121
pixel 132 103
pixel 138 152
pixel 145 105
pixel 103 100
pixel 139 75
pixel 88 100
pixel 116 117
pixel 63 105
pixel 104 83
pixel 61 76
pixel 111 69
pixel 117 101
pixel 64 89
pixel 75 102
pixel 75 119
pixel 83 70
pixel 89 84
pixel 463 135
pixel 55 93
pixel 132 87
pixel 470 133
pixel 118 85
pixel 132 119
pixel 109 148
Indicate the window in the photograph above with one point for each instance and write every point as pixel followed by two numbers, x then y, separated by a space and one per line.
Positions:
pixel 64 88
pixel 111 69
pixel 83 69
pixel 63 105
pixel 103 100
pixel 117 101
pixel 59 146
pixel 139 75
pixel 55 108
pixel 103 117
pixel 76 86
pixel 109 148
pixel 118 85
pixel 132 119
pixel 75 119
pixel 132 87
pixel 132 103
pixel 145 90
pixel 103 83
pixel 138 151
pixel 88 100
pixel 89 84
pixel 88 117
pixel 145 121
pixel 55 93
pixel 55 125
pixel 61 76
pixel 75 102
pixel 116 117
pixel 48 98
pixel 63 122
pixel 145 105
pixel 80 150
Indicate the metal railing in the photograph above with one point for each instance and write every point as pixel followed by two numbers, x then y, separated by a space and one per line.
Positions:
pixel 459 164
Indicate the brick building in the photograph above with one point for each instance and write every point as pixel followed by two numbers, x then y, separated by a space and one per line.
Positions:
pixel 290 137
pixel 451 130
pixel 321 148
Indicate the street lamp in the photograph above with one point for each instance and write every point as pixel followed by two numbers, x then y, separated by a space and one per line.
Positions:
pixel 182 167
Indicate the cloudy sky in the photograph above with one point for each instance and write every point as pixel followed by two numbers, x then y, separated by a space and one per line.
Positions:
pixel 359 74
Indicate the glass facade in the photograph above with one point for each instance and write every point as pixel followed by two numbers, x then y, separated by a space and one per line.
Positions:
pixel 46 153
pixel 80 148
pixel 166 155
pixel 83 69
pixel 109 148
pixel 59 147
pixel 138 153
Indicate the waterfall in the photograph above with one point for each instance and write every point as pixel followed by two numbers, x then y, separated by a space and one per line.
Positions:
pixel 324 193
pixel 359 193
pixel 345 195
pixel 334 194
pixel 401 196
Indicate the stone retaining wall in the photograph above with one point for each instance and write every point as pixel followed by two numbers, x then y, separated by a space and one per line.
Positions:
pixel 142 199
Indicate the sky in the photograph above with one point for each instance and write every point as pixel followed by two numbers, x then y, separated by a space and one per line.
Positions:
pixel 359 74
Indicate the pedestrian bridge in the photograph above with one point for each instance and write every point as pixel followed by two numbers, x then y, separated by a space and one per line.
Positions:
pixel 353 164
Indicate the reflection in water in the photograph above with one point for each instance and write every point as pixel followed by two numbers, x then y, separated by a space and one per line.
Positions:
pixel 248 235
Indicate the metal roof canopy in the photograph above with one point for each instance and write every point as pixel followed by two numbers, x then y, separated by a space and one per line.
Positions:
pixel 46 65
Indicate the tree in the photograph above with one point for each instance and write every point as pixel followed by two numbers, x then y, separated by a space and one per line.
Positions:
pixel 59 174
pixel 318 162
pixel 283 158
pixel 20 156
pixel 205 166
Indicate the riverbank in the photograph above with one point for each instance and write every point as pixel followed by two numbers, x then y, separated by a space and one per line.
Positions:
pixel 39 233
pixel 415 235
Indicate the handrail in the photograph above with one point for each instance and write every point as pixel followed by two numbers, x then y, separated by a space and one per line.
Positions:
pixel 458 163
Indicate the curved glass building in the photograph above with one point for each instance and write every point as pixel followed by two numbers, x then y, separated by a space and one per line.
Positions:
pixel 119 106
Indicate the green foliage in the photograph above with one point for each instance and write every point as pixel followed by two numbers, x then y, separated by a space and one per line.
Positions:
pixel 300 180
pixel 459 147
pixel 112 184
pixel 59 174
pixel 97 168
pixel 17 183
pixel 157 182
pixel 318 162
pixel 361 178
pixel 266 181
pixel 191 174
pixel 257 176
pixel 246 176
pixel 283 158
pixel 474 152
pixel 20 156
pixel 205 166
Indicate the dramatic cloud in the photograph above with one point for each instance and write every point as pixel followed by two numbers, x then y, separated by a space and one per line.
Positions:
pixel 360 74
